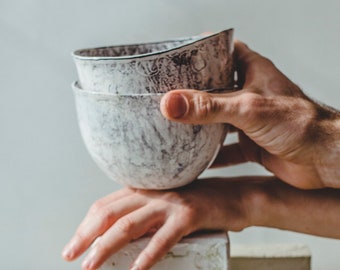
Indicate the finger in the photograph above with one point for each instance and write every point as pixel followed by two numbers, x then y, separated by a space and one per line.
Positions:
pixel 229 155
pixel 252 113
pixel 116 196
pixel 129 227
pixel 233 129
pixel 242 109
pixel 258 74
pixel 239 66
pixel 164 239
pixel 251 66
pixel 99 218
pixel 243 151
pixel 183 105
pixel 246 62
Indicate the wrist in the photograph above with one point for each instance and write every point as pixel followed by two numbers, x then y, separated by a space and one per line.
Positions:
pixel 274 204
pixel 266 203
pixel 257 200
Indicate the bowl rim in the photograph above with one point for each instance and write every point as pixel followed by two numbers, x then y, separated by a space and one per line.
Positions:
pixel 76 54
pixel 77 89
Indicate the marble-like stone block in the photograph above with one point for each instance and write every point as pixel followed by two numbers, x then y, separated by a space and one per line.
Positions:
pixel 208 251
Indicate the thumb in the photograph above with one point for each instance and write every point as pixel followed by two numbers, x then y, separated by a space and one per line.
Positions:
pixel 189 106
pixel 198 107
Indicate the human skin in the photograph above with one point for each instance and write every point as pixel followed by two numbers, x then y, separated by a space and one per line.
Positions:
pixel 295 138
pixel 209 204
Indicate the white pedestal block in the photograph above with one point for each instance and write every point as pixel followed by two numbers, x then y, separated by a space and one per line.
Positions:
pixel 208 251
pixel 270 257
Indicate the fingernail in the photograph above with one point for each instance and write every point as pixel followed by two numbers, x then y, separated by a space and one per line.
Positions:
pixel 176 105
pixel 68 251
pixel 89 260
pixel 134 267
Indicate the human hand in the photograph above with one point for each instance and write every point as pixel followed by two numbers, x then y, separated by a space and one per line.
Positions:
pixel 279 126
pixel 129 213
pixel 213 204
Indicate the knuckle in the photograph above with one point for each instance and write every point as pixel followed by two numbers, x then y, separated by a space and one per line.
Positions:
pixel 96 207
pixel 251 105
pixel 189 212
pixel 103 248
pixel 205 106
pixel 125 225
pixel 185 210
pixel 190 216
pixel 81 236
pixel 102 213
pixel 267 61
pixel 171 196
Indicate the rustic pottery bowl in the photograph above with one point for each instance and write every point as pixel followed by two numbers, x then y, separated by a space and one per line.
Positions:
pixel 200 62
pixel 132 142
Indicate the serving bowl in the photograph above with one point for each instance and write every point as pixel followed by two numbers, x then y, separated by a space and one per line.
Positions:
pixel 199 62
pixel 131 141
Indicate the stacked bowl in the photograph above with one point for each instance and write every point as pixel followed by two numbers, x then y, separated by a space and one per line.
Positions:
pixel 118 95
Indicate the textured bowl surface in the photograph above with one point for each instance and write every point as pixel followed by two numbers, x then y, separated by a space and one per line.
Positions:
pixel 195 62
pixel 132 142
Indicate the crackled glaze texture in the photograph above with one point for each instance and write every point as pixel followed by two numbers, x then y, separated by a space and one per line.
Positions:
pixel 196 63
pixel 132 142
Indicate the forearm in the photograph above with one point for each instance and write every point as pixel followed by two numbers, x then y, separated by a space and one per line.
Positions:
pixel 278 205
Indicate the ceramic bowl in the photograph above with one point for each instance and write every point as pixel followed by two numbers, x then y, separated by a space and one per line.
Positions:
pixel 201 62
pixel 131 141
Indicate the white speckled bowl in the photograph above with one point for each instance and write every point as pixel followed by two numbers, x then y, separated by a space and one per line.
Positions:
pixel 131 141
pixel 200 62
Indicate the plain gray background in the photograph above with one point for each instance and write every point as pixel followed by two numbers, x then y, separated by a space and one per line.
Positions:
pixel 48 180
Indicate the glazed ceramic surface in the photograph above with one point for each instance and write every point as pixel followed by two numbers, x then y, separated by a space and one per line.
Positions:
pixel 132 142
pixel 198 63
